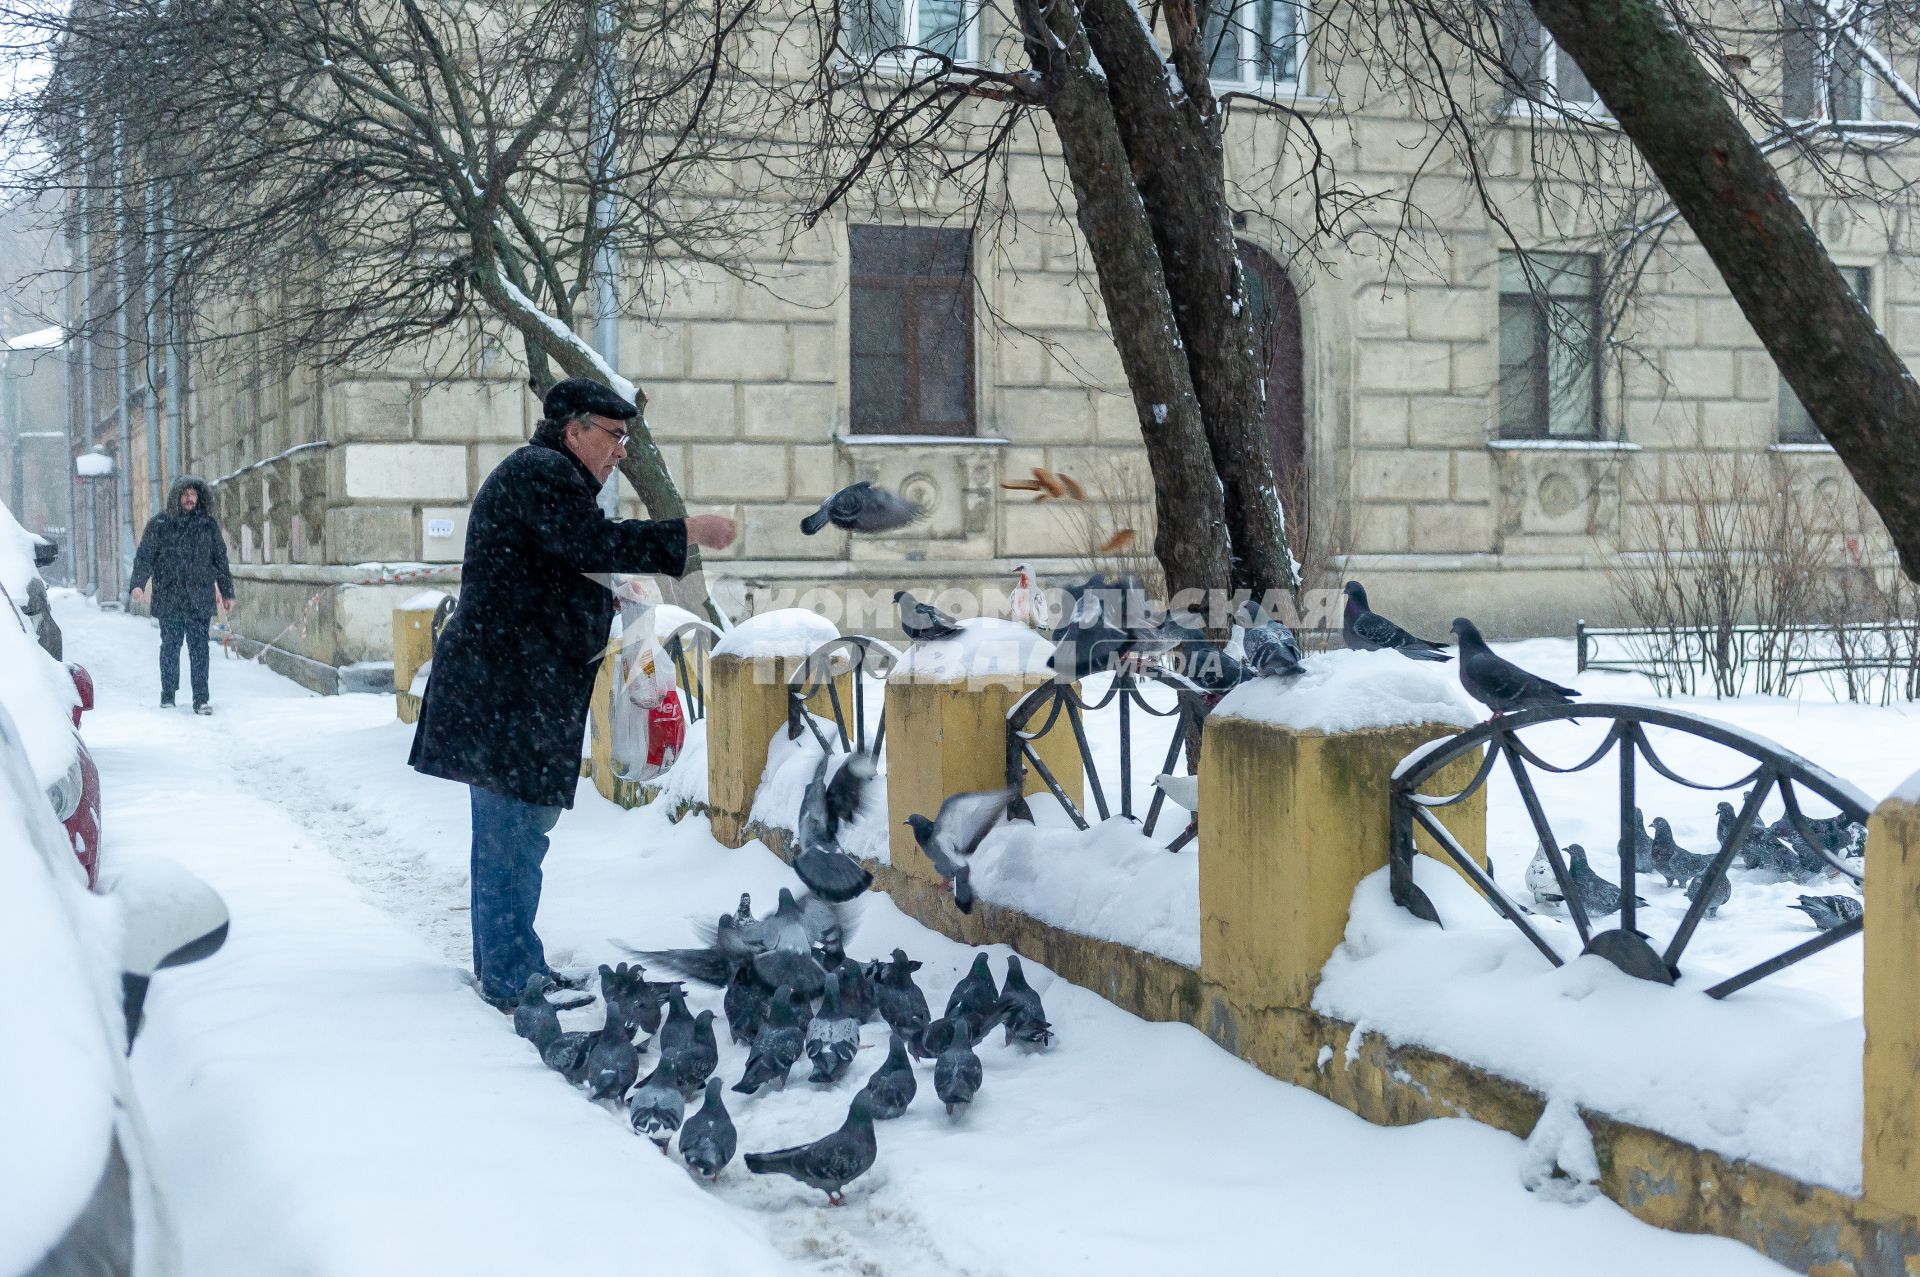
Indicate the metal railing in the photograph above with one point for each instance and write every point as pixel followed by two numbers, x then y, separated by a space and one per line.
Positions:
pixel 857 658
pixel 1753 657
pixel 1054 701
pixel 690 647
pixel 1775 770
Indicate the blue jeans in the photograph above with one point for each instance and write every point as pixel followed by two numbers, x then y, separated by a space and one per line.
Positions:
pixel 509 842
pixel 175 630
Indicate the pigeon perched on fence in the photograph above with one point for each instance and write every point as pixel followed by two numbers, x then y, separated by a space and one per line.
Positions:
pixel 1498 683
pixel 1364 630
pixel 1762 849
pixel 892 1086
pixel 1028 605
pixel 902 1005
pixel 1670 860
pixel 831 1038
pixel 862 507
pixel 957 1073
pixel 776 1047
pixel 1184 791
pixel 1090 640
pixel 695 1059
pixel 1829 912
pixel 831 1162
pixel 708 1138
pixel 1024 1017
pixel 1722 892
pixel 829 872
pixel 657 1106
pixel 923 622
pixel 956 832
pixel 613 1065
pixel 1597 896
pixel 974 995
pixel 1271 649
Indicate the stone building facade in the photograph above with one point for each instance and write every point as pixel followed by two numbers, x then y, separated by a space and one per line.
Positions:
pixel 1431 410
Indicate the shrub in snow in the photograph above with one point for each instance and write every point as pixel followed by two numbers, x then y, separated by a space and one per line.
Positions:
pixel 1559 1163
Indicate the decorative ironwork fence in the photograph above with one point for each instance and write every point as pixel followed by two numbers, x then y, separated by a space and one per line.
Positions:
pixel 689 647
pixel 1775 771
pixel 1865 658
pixel 861 656
pixel 1050 703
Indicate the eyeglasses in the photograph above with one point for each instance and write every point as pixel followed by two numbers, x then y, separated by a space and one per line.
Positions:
pixel 619 436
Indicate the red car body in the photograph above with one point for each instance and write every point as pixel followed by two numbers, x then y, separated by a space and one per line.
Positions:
pixel 82 823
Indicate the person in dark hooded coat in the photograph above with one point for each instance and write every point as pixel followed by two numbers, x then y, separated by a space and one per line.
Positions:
pixel 513 671
pixel 184 555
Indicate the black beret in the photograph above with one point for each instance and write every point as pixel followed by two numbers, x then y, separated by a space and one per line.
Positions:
pixel 576 395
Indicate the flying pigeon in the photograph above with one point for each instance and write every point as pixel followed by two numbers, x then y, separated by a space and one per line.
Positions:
pixel 902 1005
pixel 1673 862
pixel 776 1046
pixel 892 1086
pixel 1271 649
pixel 831 1162
pixel 1364 630
pixel 707 1139
pixel 1498 683
pixel 657 1107
pixel 957 1073
pixel 1829 912
pixel 695 1059
pixel 923 622
pixel 956 832
pixel 613 1065
pixel 861 507
pixel 831 1038
pixel 829 872
pixel 1024 1017
pixel 974 995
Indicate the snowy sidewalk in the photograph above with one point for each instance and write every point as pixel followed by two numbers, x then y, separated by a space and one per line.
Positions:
pixel 330 1097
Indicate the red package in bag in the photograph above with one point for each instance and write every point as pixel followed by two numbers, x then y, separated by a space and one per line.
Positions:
pixel 666 732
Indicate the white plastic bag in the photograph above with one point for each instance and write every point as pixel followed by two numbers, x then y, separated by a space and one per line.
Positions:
pixel 647 727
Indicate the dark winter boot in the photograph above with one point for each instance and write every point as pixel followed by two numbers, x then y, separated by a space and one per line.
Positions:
pixel 203 708
pixel 166 702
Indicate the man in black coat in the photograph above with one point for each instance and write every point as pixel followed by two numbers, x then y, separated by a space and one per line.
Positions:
pixel 185 556
pixel 506 703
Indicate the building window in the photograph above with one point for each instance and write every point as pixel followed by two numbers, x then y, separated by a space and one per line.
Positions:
pixel 1550 346
pixel 1821 73
pixel 911 311
pixel 1255 42
pixel 1796 426
pixel 875 27
pixel 1537 72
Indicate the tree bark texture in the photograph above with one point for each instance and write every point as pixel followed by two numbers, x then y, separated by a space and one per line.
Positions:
pixel 1177 163
pixel 1820 335
pixel 1191 534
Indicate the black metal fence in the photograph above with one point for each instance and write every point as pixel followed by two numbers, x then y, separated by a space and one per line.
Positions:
pixel 1866 661
pixel 690 647
pixel 1499 741
pixel 857 658
pixel 1053 702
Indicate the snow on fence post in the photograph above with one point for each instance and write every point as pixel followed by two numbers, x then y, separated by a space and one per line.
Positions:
pixel 1890 1157
pixel 1294 812
pixel 947 705
pixel 747 705
pixel 412 648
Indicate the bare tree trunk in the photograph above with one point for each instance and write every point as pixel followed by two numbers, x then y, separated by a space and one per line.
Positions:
pixel 1191 534
pixel 1827 346
pixel 1178 167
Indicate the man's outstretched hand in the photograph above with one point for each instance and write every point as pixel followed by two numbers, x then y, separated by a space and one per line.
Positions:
pixel 713 531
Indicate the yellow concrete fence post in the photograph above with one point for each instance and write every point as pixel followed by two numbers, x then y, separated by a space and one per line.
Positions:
pixel 412 648
pixel 1290 822
pixel 947 709
pixel 746 702
pixel 1890 1158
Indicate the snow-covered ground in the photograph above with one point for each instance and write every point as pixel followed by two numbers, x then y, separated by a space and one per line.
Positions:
pixel 329 1097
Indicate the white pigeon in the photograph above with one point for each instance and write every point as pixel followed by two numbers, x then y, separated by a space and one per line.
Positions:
pixel 1540 880
pixel 1029 600
pixel 1183 791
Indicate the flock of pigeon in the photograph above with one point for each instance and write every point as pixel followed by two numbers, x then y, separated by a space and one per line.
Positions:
pixel 790 991
pixel 1781 852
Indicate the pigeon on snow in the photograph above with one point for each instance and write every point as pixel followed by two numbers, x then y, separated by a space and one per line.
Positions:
pixel 1364 630
pixel 1762 849
pixel 1597 896
pixel 829 872
pixel 1025 1018
pixel 1498 683
pixel 923 622
pixel 957 1073
pixel 1672 861
pixel 831 1038
pixel 831 1162
pixel 1829 912
pixel 902 1005
pixel 694 1059
pixel 1271 649
pixel 956 832
pixel 657 1107
pixel 1183 791
pixel 892 1086
pixel 1722 892
pixel 974 995
pixel 536 1019
pixel 776 1047
pixel 862 507
pixel 613 1065
pixel 708 1138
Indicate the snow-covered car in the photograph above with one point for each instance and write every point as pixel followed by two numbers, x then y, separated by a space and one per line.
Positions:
pixel 46 698
pixel 75 1174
